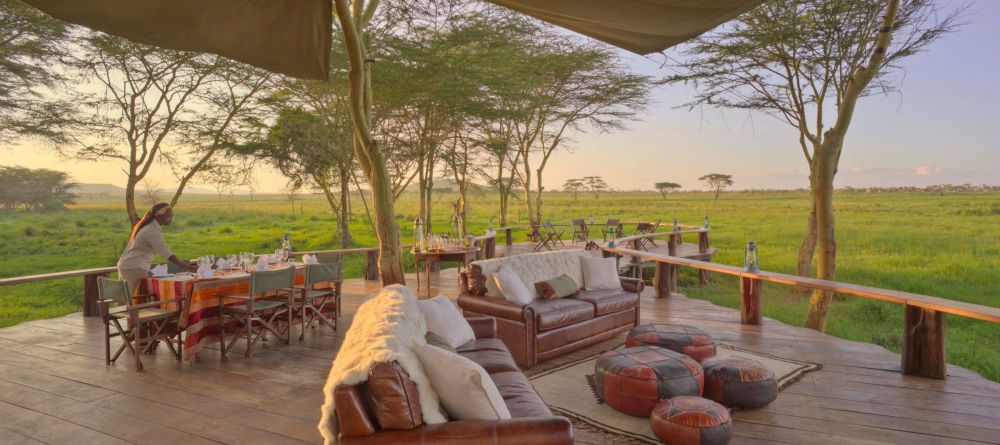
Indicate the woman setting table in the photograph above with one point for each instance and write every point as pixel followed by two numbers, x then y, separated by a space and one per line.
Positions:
pixel 145 242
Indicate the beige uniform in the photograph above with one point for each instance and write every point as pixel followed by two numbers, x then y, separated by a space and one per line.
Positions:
pixel 137 259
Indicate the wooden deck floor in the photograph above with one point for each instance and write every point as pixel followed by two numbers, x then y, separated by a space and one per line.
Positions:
pixel 55 388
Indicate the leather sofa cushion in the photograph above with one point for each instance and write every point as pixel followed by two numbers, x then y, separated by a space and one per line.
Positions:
pixel 552 314
pixel 492 360
pixel 519 395
pixel 392 397
pixel 608 301
pixel 482 344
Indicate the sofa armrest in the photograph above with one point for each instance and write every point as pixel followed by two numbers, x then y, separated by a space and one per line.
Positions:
pixel 520 431
pixel 495 307
pixel 483 327
pixel 632 284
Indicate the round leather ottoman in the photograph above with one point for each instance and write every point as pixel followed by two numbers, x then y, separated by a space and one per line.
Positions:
pixel 739 382
pixel 633 380
pixel 684 339
pixel 691 421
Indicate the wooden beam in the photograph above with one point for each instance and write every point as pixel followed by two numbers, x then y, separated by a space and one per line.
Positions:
pixel 751 310
pixel 661 281
pixel 923 342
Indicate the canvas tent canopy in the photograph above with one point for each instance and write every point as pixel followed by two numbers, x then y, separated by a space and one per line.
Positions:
pixel 293 37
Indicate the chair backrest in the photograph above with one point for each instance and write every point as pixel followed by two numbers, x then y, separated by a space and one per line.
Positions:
pixel 613 222
pixel 654 226
pixel 327 257
pixel 578 222
pixel 116 290
pixel 641 228
pixel 548 226
pixel 323 272
pixel 271 280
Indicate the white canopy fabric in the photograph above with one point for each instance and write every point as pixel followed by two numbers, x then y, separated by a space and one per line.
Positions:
pixel 640 26
pixel 285 36
pixel 293 37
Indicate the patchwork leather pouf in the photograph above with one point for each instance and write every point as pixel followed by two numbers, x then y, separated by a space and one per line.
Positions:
pixel 739 382
pixel 687 340
pixel 633 380
pixel 691 421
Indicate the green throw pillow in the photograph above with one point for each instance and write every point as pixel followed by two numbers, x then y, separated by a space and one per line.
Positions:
pixel 436 340
pixel 558 287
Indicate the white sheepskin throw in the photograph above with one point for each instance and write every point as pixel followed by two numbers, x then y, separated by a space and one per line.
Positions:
pixel 384 329
pixel 535 267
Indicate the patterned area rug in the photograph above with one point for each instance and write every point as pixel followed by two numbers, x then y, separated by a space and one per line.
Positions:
pixel 569 391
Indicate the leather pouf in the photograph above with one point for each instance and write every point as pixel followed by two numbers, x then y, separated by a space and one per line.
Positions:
pixel 633 380
pixel 739 382
pixel 687 340
pixel 691 421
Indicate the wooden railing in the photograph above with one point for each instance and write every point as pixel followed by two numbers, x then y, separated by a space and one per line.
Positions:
pixel 923 325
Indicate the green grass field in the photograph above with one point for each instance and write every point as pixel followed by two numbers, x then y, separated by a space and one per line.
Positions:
pixel 942 245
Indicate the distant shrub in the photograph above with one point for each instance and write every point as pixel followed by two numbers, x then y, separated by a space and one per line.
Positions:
pixel 28 231
pixel 80 224
pixel 225 229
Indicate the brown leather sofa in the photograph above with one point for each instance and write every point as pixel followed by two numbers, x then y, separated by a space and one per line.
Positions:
pixel 544 329
pixel 385 409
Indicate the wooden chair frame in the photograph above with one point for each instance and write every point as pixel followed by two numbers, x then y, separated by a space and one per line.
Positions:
pixel 309 305
pixel 549 237
pixel 580 231
pixel 258 309
pixel 616 223
pixel 146 322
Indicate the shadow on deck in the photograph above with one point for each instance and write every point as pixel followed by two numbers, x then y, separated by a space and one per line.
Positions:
pixel 55 388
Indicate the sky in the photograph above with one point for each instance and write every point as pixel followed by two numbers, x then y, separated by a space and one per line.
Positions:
pixel 941 129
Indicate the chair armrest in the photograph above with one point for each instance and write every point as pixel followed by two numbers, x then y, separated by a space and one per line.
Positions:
pixel 632 284
pixel 496 307
pixel 157 303
pixel 483 327
pixel 520 431
pixel 145 296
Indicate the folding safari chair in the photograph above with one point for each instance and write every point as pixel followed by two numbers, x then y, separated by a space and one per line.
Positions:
pixel 270 298
pixel 311 303
pixel 549 237
pixel 580 232
pixel 612 229
pixel 141 325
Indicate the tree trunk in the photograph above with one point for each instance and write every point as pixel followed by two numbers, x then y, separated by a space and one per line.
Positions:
pixel 717 191
pixel 538 194
pixel 370 156
pixel 824 171
pixel 527 194
pixel 806 252
pixel 343 221
pixel 133 215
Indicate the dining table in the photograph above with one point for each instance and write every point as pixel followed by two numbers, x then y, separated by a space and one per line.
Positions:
pixel 200 309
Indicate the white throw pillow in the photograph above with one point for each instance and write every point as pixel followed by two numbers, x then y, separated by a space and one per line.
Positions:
pixel 444 320
pixel 600 273
pixel 464 388
pixel 511 286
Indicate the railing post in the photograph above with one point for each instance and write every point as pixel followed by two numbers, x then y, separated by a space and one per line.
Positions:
pixel 661 281
pixel 703 248
pixel 923 342
pixel 750 300
pixel 634 262
pixel 672 240
pixel 90 294
pixel 507 231
pixel 491 247
pixel 371 265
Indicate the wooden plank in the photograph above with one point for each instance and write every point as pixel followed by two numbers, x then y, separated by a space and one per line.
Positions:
pixel 923 342
pixel 56 276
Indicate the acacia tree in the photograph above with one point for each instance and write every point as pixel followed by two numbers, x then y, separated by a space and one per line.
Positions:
pixel 596 185
pixel 717 182
pixel 574 186
pixel 30 42
pixel 666 187
pixel 807 62
pixel 142 96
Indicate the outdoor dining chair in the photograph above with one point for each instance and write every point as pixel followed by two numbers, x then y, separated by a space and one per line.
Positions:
pixel 612 229
pixel 140 325
pixel 549 237
pixel 270 297
pixel 311 302
pixel 580 232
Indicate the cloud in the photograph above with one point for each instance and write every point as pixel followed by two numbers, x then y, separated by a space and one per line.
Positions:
pixel 927 170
